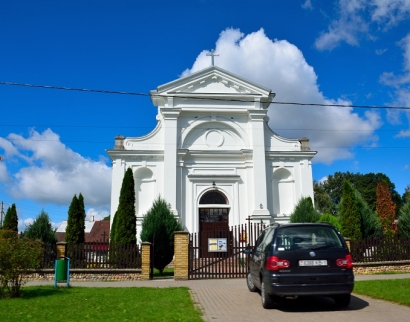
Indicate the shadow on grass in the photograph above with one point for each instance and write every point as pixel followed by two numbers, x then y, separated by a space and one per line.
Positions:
pixel 31 292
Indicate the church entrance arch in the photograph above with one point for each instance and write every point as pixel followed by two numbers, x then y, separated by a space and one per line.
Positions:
pixel 213 222
pixel 213 211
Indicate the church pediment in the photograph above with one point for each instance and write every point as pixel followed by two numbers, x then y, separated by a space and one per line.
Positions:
pixel 212 82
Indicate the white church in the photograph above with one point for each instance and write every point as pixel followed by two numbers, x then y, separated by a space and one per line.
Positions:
pixel 212 155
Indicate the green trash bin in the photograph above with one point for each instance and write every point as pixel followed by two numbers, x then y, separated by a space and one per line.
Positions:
pixel 61 270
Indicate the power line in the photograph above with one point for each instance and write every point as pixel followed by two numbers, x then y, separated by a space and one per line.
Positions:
pixel 101 91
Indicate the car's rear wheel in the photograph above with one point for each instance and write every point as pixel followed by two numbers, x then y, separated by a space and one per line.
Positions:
pixel 250 284
pixel 267 300
pixel 342 300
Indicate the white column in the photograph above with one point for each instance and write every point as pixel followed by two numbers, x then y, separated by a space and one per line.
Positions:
pixel 260 200
pixel 170 116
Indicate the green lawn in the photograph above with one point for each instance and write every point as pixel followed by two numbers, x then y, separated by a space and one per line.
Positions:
pixel 46 303
pixel 166 273
pixel 396 290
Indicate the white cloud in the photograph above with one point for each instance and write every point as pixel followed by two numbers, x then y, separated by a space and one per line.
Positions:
pixel 403 134
pixel 280 66
pixel 355 18
pixel 307 4
pixel 52 173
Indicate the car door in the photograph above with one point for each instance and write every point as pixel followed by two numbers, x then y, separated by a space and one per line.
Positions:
pixel 254 261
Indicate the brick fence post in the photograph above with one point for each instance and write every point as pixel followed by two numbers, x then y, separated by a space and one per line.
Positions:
pixel 61 248
pixel 146 261
pixel 181 258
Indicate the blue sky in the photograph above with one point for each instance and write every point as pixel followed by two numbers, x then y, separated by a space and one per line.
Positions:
pixel 53 142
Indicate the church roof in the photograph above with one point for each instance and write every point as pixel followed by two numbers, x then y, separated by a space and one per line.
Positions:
pixel 212 82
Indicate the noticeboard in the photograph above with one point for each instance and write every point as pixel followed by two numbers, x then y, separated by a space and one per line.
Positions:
pixel 217 245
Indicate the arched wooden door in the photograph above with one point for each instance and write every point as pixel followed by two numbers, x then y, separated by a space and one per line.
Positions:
pixel 214 223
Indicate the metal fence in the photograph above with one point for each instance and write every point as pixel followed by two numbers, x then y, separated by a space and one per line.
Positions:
pixel 380 249
pixel 96 255
pixel 219 254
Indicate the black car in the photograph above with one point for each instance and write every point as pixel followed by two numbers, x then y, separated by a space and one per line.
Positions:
pixel 293 260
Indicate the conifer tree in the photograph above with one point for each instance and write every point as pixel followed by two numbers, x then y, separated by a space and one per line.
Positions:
pixel 370 222
pixel 158 227
pixel 350 219
pixel 11 220
pixel 75 223
pixel 124 224
pixel 404 221
pixel 41 229
pixel 386 209
pixel 304 212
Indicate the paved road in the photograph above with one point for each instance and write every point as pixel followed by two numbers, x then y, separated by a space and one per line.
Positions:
pixel 229 300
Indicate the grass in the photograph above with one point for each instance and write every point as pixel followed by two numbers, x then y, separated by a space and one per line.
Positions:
pixel 47 303
pixel 167 272
pixel 395 290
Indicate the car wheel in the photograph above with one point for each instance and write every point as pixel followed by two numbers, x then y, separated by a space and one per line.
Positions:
pixel 342 300
pixel 250 284
pixel 267 301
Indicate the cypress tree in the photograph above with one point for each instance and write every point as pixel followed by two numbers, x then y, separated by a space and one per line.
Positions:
pixel 75 224
pixel 350 219
pixel 158 227
pixel 124 224
pixel 41 229
pixel 11 220
pixel 304 212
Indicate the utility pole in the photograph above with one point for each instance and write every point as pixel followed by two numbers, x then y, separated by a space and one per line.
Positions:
pixel 1 215
pixel 1 211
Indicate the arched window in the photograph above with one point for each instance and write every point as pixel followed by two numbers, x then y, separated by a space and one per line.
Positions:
pixel 213 198
pixel 211 207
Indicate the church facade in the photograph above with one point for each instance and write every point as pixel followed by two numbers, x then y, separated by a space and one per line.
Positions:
pixel 212 155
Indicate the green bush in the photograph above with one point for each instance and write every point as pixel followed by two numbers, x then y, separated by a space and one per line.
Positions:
pixel 17 257
pixel 331 220
pixel 304 212
pixel 158 227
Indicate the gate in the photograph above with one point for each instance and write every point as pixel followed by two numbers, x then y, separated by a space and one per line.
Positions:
pixel 219 254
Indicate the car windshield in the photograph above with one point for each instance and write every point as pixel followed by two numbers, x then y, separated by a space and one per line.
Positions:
pixel 308 237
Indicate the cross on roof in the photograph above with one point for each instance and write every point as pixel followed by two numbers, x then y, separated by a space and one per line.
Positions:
pixel 212 54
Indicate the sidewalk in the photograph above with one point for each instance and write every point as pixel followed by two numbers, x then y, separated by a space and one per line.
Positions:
pixel 229 300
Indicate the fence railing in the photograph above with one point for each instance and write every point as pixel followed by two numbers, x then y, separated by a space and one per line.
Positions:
pixel 380 249
pixel 96 255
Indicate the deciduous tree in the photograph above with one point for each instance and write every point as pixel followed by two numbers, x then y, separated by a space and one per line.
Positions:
pixel 18 257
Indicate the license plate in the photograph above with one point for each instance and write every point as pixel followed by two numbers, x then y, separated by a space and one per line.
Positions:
pixel 322 262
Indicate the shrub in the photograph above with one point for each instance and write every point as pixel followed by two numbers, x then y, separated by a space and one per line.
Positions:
pixel 17 257
pixel 331 220
pixel 158 227
pixel 304 212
